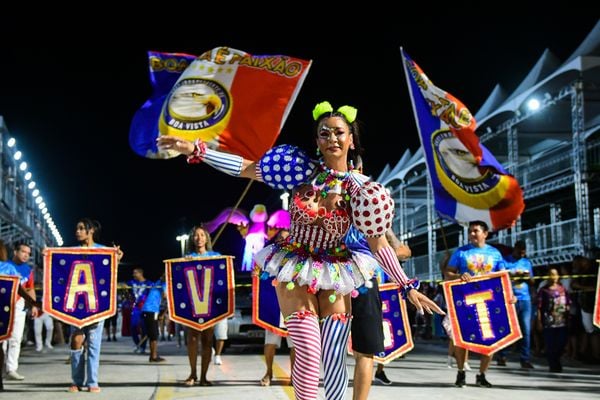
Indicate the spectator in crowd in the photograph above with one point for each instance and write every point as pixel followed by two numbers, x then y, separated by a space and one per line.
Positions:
pixel 553 317
pixel 521 272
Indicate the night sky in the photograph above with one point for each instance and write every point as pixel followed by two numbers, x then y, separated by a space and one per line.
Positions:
pixel 70 106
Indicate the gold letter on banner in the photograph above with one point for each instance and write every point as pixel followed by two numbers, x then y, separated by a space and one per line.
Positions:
pixel 87 288
pixel 483 314
pixel 201 300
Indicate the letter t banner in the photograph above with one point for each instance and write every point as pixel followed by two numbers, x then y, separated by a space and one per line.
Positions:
pixel 80 284
pixel 482 316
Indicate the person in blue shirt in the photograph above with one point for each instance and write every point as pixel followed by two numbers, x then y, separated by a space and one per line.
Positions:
pixel 12 347
pixel 199 245
pixel 138 329
pixel 155 291
pixel 521 272
pixel 87 232
pixel 476 258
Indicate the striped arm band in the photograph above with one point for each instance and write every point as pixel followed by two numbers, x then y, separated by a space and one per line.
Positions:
pixel 389 261
pixel 231 164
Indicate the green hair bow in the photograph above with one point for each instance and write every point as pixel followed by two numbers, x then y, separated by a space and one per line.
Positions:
pixel 325 107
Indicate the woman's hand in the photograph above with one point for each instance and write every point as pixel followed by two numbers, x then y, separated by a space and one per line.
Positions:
pixel 423 303
pixel 175 143
pixel 119 253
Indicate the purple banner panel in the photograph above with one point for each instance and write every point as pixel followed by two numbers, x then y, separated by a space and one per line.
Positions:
pixel 397 336
pixel 80 284
pixel 483 318
pixel 9 286
pixel 200 290
pixel 265 307
pixel 597 304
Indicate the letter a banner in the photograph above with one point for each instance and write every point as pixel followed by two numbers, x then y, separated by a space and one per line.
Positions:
pixel 80 284
pixel 482 318
pixel 597 304
pixel 9 285
pixel 200 290
pixel 397 337
pixel 265 306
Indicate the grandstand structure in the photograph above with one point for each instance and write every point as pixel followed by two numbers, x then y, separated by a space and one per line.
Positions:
pixel 546 133
pixel 23 213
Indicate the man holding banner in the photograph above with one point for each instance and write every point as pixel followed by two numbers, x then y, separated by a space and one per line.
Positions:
pixel 12 347
pixel 476 258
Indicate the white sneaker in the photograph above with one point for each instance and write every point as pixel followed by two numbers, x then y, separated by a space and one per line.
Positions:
pixel 14 376
pixel 450 361
pixel 218 360
pixel 466 366
pixel 49 346
pixel 38 348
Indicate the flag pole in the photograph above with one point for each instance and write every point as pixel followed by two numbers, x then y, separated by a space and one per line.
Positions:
pixel 444 263
pixel 237 204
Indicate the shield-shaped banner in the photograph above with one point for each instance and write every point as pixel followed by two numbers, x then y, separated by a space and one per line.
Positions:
pixel 265 307
pixel 80 284
pixel 200 290
pixel 397 336
pixel 480 311
pixel 597 304
pixel 9 285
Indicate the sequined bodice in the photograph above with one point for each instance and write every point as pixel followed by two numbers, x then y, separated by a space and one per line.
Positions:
pixel 318 221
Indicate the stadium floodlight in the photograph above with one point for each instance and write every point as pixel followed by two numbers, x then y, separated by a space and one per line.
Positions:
pixel 23 166
pixel 18 155
pixel 11 142
pixel 31 185
pixel 533 104
pixel 182 239
pixel 35 193
pixel 38 200
pixel 27 176
pixel 42 205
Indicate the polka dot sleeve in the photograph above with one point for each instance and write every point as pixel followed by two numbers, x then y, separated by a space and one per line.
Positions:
pixel 372 209
pixel 285 167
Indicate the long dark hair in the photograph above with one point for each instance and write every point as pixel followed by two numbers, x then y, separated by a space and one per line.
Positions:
pixel 355 154
pixel 191 246
pixel 89 223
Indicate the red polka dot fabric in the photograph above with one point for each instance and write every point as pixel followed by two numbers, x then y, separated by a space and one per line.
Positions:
pixel 372 209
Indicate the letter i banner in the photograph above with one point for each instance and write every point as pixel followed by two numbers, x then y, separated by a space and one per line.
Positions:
pixel 482 317
pixel 597 303
pixel 80 284
pixel 9 286
pixel 200 290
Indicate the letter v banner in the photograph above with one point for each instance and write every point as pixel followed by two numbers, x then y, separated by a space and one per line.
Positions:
pixel 482 318
pixel 200 290
pixel 80 284
pixel 9 285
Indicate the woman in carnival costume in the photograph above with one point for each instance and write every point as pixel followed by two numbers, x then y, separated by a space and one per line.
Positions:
pixel 316 274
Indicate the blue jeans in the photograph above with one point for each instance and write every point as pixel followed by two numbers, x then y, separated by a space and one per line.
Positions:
pixel 93 343
pixel 523 308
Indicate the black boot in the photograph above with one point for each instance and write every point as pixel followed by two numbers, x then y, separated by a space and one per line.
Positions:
pixel 460 379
